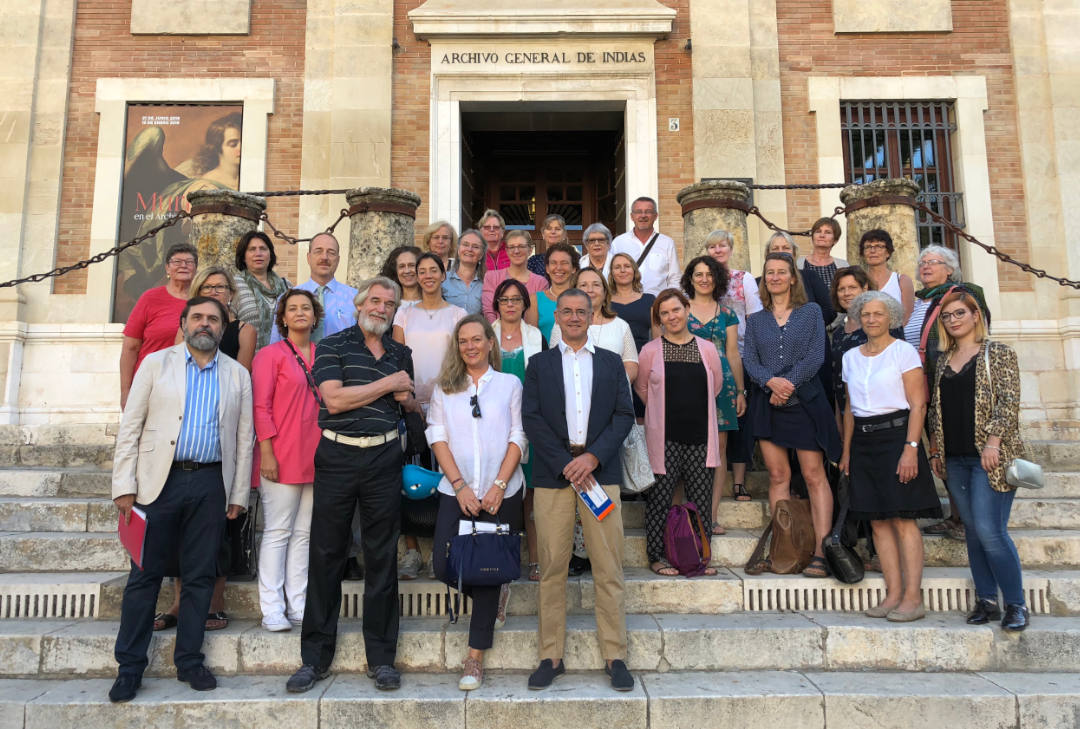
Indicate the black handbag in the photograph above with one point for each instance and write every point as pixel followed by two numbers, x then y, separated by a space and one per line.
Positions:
pixel 844 563
pixel 482 559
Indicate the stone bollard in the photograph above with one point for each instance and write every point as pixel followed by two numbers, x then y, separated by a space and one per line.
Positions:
pixel 885 206
pixel 218 219
pixel 381 219
pixel 715 205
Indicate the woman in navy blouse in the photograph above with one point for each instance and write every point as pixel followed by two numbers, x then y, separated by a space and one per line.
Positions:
pixel 785 347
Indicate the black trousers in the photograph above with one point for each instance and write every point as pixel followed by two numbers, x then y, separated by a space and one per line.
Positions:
pixel 686 463
pixel 347 477
pixel 184 524
pixel 485 600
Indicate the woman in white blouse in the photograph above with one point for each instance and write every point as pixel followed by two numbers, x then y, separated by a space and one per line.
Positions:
pixel 891 485
pixel 607 331
pixel 474 407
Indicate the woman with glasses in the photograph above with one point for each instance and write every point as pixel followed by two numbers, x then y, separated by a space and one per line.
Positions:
pixel 518 247
pixel 464 284
pixel 631 304
pixel 440 238
pixel 152 324
pixel 492 226
pixel 518 342
pixel 426 328
pixel 552 231
pixel 875 249
pixel 475 432
pixel 561 262
pixel 257 286
pixel 596 243
pixel 974 435
pixel 400 267
pixel 606 330
pixel 705 282
pixel 286 407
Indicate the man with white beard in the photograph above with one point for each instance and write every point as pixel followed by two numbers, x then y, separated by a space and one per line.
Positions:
pixel 365 379
pixel 183 456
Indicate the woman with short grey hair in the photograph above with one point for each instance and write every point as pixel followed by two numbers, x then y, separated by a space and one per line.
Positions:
pixel 891 483
pixel 596 247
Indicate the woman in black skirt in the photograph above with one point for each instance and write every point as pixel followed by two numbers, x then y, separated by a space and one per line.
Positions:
pixel 784 349
pixel 891 483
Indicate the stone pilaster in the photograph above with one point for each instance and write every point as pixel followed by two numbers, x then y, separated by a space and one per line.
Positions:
pixel 884 211
pixel 381 219
pixel 219 218
pixel 715 205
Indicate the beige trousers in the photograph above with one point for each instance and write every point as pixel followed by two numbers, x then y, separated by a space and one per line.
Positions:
pixel 554 511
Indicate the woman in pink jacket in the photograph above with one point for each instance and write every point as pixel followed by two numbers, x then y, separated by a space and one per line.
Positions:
pixel 679 376
pixel 286 404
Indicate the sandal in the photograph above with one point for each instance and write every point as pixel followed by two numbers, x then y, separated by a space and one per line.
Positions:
pixel 663 568
pixel 759 567
pixel 739 492
pixel 717 530
pixel 816 569
pixel 164 621
pixel 217 621
pixel 534 571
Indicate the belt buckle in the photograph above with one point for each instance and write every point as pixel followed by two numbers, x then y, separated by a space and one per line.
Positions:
pixel 188 466
pixel 866 428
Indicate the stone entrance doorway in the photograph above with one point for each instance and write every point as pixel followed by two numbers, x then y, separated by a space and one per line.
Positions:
pixel 527 163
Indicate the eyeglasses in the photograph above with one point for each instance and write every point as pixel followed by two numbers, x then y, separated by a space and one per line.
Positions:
pixel 186 262
pixel 875 247
pixel 643 212
pixel 573 313
pixel 504 300
pixel 931 263
pixel 475 406
pixel 490 227
pixel 217 289
pixel 947 316
pixel 517 249
pixel 596 241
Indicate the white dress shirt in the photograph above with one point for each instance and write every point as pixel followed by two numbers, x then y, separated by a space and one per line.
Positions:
pixel 876 384
pixel 660 269
pixel 577 388
pixel 472 440
pixel 614 336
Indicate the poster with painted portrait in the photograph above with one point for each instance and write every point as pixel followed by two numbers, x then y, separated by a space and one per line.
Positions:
pixel 171 150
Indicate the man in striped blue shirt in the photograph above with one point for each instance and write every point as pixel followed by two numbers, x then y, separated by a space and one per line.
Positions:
pixel 183 457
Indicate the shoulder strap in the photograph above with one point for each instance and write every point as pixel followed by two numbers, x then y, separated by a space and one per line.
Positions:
pixel 307 373
pixel 989 379
pixel 648 247
pixel 928 323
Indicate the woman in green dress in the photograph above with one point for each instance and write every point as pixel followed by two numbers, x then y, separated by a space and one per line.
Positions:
pixel 705 282
pixel 518 341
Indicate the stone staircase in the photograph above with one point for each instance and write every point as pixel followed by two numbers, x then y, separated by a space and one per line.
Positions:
pixel 739 650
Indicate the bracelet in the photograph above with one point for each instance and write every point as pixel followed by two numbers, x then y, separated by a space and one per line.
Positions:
pixel 934 455
pixel 455 487
pixel 993 448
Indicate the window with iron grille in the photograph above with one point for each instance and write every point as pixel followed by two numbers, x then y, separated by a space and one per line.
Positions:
pixel 906 139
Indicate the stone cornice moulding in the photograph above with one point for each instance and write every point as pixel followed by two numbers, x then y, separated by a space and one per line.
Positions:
pixel 468 18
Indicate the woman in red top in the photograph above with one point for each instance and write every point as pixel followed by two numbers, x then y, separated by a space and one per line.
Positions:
pixel 286 407
pixel 152 324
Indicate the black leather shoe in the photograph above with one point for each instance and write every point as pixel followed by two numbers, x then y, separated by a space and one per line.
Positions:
pixel 542 677
pixel 1016 618
pixel 387 678
pixel 353 570
pixel 304 679
pixel 621 680
pixel 124 688
pixel 984 612
pixel 578 566
pixel 199 678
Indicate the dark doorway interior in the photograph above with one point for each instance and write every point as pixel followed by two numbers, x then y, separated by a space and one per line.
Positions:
pixel 529 160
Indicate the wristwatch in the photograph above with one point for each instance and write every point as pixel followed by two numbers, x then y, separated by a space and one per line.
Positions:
pixel 500 483
pixel 912 443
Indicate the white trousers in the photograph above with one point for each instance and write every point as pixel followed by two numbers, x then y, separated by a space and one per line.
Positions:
pixel 283 556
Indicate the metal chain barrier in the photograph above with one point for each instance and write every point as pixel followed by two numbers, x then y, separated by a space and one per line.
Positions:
pixel 750 210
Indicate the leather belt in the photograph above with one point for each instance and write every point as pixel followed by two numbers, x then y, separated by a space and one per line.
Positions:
pixel 361 441
pixel 884 425
pixel 576 450
pixel 193 465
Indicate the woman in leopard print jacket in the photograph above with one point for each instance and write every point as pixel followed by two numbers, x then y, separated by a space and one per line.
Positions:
pixel 974 435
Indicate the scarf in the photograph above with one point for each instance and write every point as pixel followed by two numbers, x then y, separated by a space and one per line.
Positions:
pixel 265 297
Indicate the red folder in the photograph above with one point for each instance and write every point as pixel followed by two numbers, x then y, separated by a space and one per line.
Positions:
pixel 133 535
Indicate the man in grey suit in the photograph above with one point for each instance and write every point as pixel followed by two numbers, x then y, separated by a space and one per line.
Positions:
pixel 183 456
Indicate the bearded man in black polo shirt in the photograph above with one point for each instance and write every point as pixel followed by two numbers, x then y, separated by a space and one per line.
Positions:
pixel 365 379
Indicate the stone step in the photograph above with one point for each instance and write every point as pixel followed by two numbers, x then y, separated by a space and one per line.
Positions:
pixel 101 551
pixel 55 514
pixel 84 481
pixel 1055 453
pixel 661 641
pixel 584 700
pixel 58 455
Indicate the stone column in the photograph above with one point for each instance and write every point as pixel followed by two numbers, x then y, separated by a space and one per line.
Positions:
pixel 381 219
pixel 219 218
pixel 715 205
pixel 885 208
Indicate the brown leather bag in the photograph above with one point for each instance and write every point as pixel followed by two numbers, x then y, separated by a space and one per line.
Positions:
pixel 793 540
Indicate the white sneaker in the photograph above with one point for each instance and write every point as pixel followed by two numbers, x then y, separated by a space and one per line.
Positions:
pixel 409 566
pixel 277 624
pixel 296 622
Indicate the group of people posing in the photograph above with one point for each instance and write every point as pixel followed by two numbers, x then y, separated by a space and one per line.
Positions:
pixel 556 356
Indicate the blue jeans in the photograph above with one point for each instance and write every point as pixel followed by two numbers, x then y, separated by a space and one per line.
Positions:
pixel 991 553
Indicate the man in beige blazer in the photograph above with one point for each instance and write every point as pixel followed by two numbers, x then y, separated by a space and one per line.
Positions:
pixel 183 456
